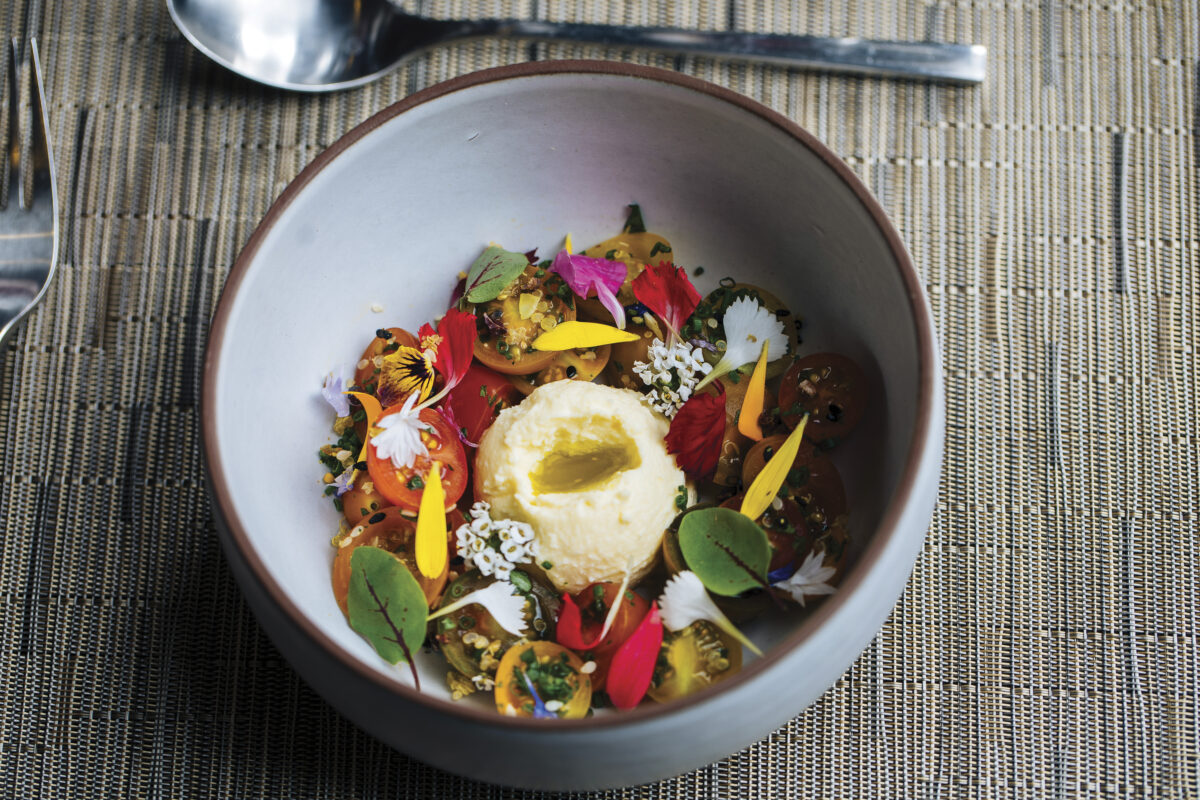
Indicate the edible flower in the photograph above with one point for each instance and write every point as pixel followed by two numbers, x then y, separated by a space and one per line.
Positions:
pixel 373 411
pixel 747 325
pixel 500 599
pixel 345 481
pixel 494 546
pixel 762 490
pixel 810 578
pixel 633 665
pixel 430 542
pixel 685 600
pixel 539 708
pixel 399 436
pixel 755 399
pixel 588 276
pixel 666 290
pixel 671 373
pixel 572 334
pixel 696 434
pixel 334 392
pixel 451 346
pixel 404 372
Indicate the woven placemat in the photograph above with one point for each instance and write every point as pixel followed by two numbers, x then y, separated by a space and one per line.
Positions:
pixel 1047 642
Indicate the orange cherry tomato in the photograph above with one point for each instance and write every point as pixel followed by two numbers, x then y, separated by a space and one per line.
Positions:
pixel 583 364
pixel 366 373
pixel 785 530
pixel 831 389
pixel 393 529
pixel 813 482
pixel 595 602
pixel 361 501
pixel 404 487
pixel 556 674
pixel 505 334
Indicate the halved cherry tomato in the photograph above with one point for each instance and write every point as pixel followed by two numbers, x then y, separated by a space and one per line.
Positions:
pixel 404 487
pixel 624 355
pixel 366 373
pixel 813 482
pixel 583 364
pixel 556 676
pixel 362 500
pixel 394 530
pixel 831 389
pixel 481 395
pixel 697 656
pixel 785 530
pixel 505 334
pixel 594 604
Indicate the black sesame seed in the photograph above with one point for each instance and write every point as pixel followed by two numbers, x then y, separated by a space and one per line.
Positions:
pixel 383 333
pixel 380 517
pixel 572 372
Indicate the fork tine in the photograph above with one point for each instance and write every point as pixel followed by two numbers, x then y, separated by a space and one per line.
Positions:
pixel 42 162
pixel 14 119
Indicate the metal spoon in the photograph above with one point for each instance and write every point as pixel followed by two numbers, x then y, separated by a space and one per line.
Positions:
pixel 326 45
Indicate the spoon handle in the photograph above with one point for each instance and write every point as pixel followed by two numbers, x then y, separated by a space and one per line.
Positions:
pixel 934 61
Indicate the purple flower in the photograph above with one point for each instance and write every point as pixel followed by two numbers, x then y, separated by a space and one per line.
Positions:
pixel 596 276
pixel 333 391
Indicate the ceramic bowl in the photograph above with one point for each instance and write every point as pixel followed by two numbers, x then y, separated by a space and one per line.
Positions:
pixel 386 218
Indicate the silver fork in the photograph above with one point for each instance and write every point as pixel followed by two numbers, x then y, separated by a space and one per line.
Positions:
pixel 29 221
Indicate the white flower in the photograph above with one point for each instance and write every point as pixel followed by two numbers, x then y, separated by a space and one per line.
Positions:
pixel 333 390
pixel 400 437
pixel 810 578
pixel 511 550
pixel 747 325
pixel 670 365
pixel 485 561
pixel 476 549
pixel 503 570
pixel 500 599
pixel 684 600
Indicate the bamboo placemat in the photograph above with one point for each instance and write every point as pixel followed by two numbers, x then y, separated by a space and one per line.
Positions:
pixel 1047 643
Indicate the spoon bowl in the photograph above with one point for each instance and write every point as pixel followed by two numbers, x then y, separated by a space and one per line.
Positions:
pixel 328 45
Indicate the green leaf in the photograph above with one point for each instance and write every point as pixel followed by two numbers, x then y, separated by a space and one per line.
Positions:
pixel 634 222
pixel 727 550
pixel 492 271
pixel 386 604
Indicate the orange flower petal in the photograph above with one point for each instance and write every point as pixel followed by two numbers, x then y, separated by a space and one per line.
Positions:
pixel 755 399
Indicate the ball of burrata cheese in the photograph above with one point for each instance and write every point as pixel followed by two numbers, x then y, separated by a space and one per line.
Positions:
pixel 586 466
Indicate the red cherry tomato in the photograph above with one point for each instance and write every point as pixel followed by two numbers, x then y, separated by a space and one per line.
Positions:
pixel 479 397
pixel 404 487
pixel 831 389
pixel 594 603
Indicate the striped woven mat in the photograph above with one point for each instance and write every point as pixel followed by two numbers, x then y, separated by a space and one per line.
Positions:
pixel 1047 642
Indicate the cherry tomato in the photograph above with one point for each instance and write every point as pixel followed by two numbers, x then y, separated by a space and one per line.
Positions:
pixel 481 395
pixel 697 656
pixel 394 530
pixel 785 530
pixel 366 374
pixel 361 501
pixel 404 487
pixel 595 602
pixel 505 334
pixel 623 355
pixel 735 444
pixel 713 307
pixel 471 639
pixel 578 365
pixel 556 675
pixel 813 482
pixel 831 389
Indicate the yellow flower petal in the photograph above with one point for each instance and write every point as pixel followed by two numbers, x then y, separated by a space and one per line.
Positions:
pixel 755 399
pixel 373 410
pixel 567 243
pixel 766 485
pixel 572 334
pixel 431 526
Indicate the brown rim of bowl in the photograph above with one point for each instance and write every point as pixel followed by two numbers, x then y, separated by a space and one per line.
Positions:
pixel 884 533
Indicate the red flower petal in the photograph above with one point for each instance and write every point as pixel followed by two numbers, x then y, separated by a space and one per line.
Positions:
pixel 633 665
pixel 667 292
pixel 569 628
pixel 696 433
pixel 453 345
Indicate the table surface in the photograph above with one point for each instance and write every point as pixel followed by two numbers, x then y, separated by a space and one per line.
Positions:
pixel 1047 641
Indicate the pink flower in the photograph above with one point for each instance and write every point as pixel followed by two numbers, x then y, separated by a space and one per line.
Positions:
pixel 598 277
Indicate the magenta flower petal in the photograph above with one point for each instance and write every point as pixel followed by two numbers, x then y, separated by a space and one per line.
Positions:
pixel 593 277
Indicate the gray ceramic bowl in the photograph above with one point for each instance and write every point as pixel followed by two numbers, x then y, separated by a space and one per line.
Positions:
pixel 520 155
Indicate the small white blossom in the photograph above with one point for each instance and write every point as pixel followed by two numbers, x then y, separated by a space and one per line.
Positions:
pixel 669 365
pixel 685 600
pixel 747 325
pixel 809 579
pixel 400 436
pixel 485 561
pixel 501 600
pixel 494 547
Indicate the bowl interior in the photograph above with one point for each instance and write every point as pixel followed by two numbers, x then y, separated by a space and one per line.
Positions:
pixel 395 214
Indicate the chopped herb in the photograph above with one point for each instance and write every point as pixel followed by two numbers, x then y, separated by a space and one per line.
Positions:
pixel 611 254
pixel 547 565
pixel 698 271
pixel 634 222
pixel 659 247
pixel 466 621
pixel 330 490
pixel 482 391
pixel 337 503
pixel 521 581
pixel 681 498
pixel 415 482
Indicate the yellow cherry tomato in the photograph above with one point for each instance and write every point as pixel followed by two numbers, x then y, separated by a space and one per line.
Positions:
pixel 556 674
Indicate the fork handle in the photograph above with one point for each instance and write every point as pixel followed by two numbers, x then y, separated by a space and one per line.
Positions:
pixel 936 61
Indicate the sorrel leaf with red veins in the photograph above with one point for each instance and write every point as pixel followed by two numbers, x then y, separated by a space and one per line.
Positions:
pixel 727 550
pixel 598 277
pixel 633 666
pixel 696 434
pixel 492 271
pixel 386 605
pixel 666 290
